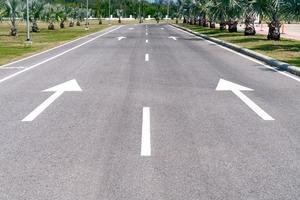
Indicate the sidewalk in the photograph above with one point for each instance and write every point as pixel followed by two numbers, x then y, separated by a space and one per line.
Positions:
pixel 289 31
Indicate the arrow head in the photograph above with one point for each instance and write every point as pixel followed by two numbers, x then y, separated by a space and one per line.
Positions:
pixel 224 85
pixel 69 86
pixel 121 37
pixel 172 37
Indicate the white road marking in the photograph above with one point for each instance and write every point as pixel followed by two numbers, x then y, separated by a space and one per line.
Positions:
pixel 37 54
pixel 13 67
pixel 146 33
pixel 147 41
pixel 172 37
pixel 146 57
pixel 130 28
pixel 247 57
pixel 56 56
pixel 121 38
pixel 146 137
pixel 58 90
pixel 162 28
pixel 224 85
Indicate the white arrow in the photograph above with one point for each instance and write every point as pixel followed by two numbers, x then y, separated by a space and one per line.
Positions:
pixel 224 85
pixel 121 37
pixel 172 37
pixel 69 86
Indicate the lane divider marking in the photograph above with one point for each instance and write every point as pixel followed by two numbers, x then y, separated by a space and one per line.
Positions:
pixel 146 137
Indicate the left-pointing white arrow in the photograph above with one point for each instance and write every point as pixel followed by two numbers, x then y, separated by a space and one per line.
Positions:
pixel 224 85
pixel 120 38
pixel 69 86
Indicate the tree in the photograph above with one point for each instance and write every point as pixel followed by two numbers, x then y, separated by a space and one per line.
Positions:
pixel 273 10
pixel 249 15
pixel 291 10
pixel 13 10
pixel 227 12
pixel 36 8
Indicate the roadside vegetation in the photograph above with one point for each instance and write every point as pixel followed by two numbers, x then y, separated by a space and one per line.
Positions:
pixel 203 15
pixel 53 22
pixel 229 13
pixel 12 48
pixel 284 50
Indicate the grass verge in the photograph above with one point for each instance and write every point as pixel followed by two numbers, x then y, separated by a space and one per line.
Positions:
pixel 284 50
pixel 13 48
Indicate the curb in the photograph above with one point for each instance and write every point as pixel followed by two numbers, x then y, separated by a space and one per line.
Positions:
pixel 281 66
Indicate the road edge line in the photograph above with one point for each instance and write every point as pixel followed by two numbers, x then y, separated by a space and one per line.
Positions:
pixel 53 48
pixel 269 62
pixel 55 56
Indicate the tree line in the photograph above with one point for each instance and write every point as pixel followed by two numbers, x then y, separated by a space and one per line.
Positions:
pixel 75 11
pixel 228 13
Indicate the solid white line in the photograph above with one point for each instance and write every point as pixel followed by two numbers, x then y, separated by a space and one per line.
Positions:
pixel 36 112
pixel 245 56
pixel 260 112
pixel 147 41
pixel 56 56
pixel 37 54
pixel 146 138
pixel 146 57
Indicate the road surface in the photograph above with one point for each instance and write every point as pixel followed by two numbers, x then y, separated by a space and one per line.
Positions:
pixel 147 112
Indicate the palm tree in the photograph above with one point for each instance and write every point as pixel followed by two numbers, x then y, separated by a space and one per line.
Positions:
pixel 274 11
pixel 2 10
pixel 249 15
pixel 203 7
pixel 291 9
pixel 36 8
pixel 228 12
pixel 13 10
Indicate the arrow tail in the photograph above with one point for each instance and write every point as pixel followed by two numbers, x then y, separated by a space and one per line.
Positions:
pixel 260 112
pixel 36 112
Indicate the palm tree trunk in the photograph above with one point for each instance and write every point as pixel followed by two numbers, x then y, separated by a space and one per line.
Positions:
pixel 274 30
pixel 62 24
pixel 51 26
pixel 13 30
pixel 222 25
pixel 249 22
pixel 232 26
pixel 34 27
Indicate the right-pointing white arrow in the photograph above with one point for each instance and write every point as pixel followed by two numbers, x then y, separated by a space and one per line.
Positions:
pixel 224 85
pixel 121 38
pixel 69 86
pixel 172 37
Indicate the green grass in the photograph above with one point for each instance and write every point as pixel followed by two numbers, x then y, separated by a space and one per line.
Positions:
pixel 284 50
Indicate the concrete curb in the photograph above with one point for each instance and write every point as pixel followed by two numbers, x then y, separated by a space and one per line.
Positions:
pixel 282 66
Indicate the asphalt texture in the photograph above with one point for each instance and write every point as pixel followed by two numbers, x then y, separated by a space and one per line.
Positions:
pixel 205 144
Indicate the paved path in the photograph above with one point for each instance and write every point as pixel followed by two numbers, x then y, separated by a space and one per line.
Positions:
pixel 142 118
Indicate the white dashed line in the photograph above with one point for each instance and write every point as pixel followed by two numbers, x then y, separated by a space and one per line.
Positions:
pixel 146 137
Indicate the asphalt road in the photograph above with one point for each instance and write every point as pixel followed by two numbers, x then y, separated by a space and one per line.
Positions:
pixel 146 122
